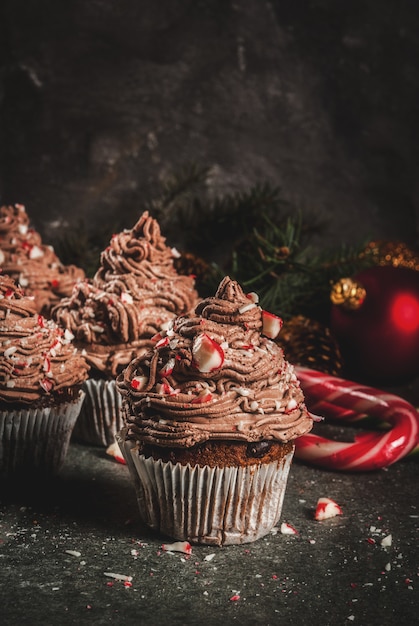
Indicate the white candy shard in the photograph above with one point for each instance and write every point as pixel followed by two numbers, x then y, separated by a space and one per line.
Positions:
pixel 118 576
pixel 73 552
pixel 247 307
pixel 386 541
pixel 36 253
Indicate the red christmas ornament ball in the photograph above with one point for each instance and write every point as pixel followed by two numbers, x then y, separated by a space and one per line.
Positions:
pixel 379 340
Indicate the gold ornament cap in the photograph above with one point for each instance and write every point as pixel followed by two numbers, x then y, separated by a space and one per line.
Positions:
pixel 348 293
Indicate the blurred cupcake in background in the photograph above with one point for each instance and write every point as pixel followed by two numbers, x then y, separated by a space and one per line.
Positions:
pixel 33 265
pixel 41 376
pixel 118 315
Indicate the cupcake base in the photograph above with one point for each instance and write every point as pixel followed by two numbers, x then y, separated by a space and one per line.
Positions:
pixel 36 440
pixel 100 417
pixel 207 505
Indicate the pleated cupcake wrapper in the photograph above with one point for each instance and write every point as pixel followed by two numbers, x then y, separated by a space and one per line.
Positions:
pixel 36 439
pixel 100 417
pixel 214 506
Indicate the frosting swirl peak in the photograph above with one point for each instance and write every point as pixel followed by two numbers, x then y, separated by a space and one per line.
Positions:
pixel 34 265
pixel 214 375
pixel 134 294
pixel 37 359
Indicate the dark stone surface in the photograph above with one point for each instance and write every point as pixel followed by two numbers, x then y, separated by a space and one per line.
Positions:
pixel 333 572
pixel 101 100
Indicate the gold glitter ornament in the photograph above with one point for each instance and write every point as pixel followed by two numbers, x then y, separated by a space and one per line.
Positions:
pixel 348 293
pixel 395 253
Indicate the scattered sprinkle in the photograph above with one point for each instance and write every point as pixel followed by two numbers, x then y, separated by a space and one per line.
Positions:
pixel 73 552
pixel 122 577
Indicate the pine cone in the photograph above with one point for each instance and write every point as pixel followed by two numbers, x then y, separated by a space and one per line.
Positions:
pixel 309 343
pixel 189 264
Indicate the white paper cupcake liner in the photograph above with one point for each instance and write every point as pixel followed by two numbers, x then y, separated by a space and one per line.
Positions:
pixel 36 439
pixel 100 417
pixel 214 506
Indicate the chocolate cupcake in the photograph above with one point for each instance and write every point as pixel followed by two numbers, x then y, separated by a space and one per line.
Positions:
pixel 114 317
pixel 33 265
pixel 211 413
pixel 41 375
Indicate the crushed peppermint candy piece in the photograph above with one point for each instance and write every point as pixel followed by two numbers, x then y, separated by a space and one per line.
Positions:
pixel 209 557
pixel 271 325
pixel 115 451
pixel 203 396
pixel 46 384
pixel 126 297
pixel 178 546
pixel 122 577
pixel 9 351
pixel 208 354
pixel 242 391
pixel 386 541
pixel 247 307
pixel 23 281
pixel 167 369
pixel 166 389
pixel 36 253
pixel 73 552
pixel 287 529
pixel 68 335
pixel 292 404
pixel 139 382
pixel 253 296
pixel 326 508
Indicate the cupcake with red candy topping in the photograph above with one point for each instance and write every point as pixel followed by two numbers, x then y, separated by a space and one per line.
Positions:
pixel 41 376
pixel 212 412
pixel 33 265
pixel 133 296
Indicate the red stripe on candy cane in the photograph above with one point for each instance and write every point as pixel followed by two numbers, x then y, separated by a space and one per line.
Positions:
pixel 348 401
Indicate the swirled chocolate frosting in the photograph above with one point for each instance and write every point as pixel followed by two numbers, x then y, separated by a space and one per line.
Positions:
pixel 134 294
pixel 33 265
pixel 38 362
pixel 214 376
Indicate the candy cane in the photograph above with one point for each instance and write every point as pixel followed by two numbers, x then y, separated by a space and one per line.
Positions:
pixel 349 401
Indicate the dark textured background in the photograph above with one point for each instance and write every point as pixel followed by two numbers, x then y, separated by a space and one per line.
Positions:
pixel 100 100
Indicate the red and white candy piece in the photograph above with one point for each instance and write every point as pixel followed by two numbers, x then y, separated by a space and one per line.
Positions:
pixel 178 546
pixel 326 507
pixel 348 401
pixel 139 382
pixel 208 355
pixel 287 529
pixel 271 325
pixel 115 451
